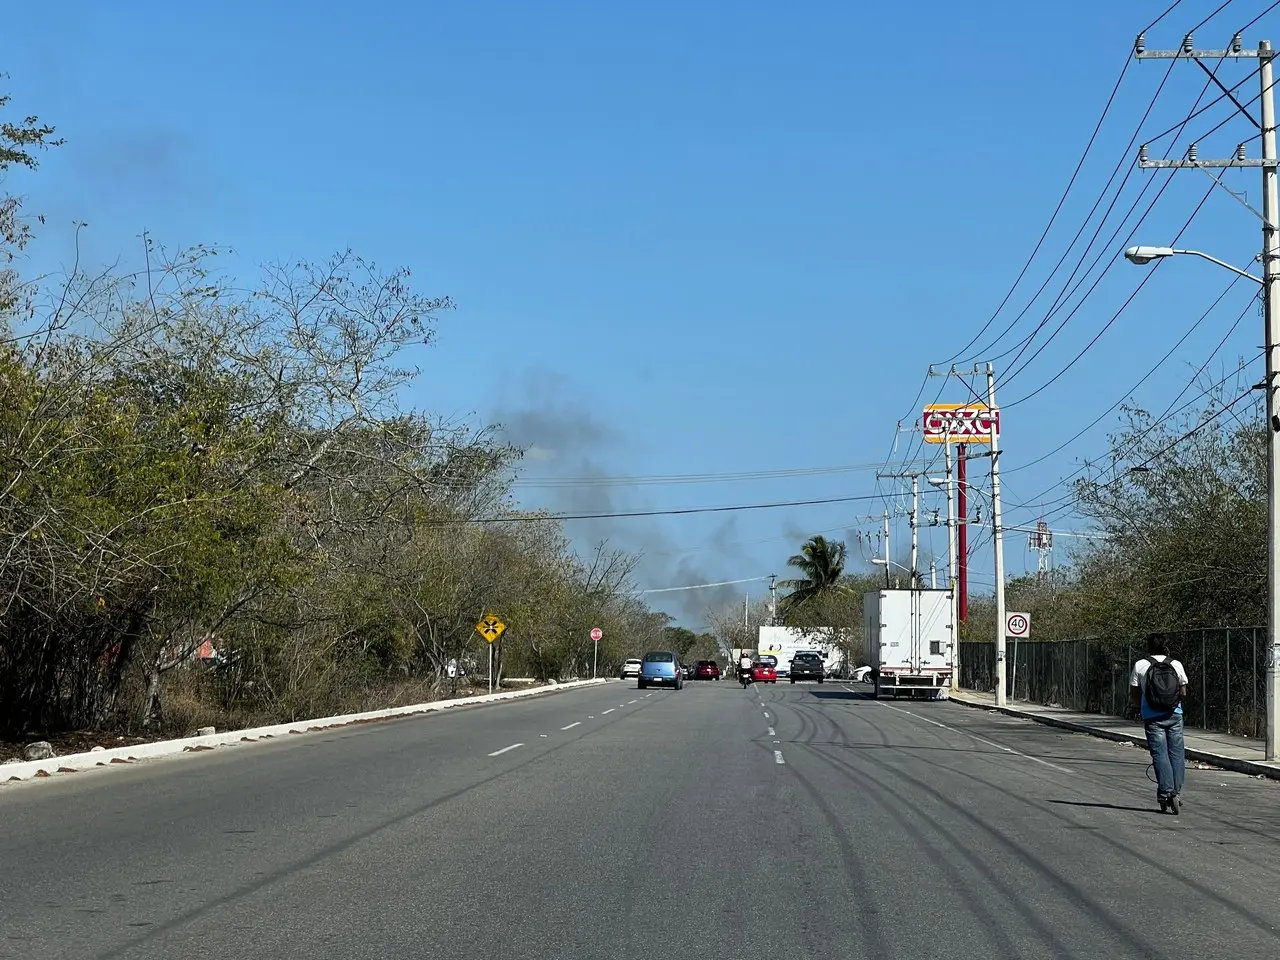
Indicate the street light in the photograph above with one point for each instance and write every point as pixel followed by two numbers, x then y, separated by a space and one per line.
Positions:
pixel 1143 255
pixel 1271 310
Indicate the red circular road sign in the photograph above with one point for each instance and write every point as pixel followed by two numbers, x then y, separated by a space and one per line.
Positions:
pixel 596 634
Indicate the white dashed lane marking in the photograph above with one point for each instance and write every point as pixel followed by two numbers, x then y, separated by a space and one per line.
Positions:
pixel 777 756
pixel 572 725
pixel 498 753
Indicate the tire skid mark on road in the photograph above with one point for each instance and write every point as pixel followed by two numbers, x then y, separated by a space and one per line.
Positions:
pixel 1118 925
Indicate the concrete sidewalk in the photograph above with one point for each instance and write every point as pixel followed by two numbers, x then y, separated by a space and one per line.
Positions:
pixel 1225 750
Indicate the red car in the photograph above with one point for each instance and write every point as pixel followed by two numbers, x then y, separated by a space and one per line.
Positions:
pixel 706 670
pixel 763 673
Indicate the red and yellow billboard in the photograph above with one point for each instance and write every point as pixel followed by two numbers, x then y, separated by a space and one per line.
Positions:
pixel 959 423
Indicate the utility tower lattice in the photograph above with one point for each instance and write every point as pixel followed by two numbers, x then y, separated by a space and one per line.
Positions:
pixel 1041 541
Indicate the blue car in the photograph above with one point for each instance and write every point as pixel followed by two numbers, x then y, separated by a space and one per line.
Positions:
pixel 660 668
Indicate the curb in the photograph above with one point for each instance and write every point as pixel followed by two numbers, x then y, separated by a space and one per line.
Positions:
pixel 1251 767
pixel 76 762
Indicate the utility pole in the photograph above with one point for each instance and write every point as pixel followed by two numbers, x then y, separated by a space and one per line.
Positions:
pixel 915 530
pixel 997 536
pixel 933 574
pixel 1270 217
pixel 773 599
pixel 952 579
pixel 887 582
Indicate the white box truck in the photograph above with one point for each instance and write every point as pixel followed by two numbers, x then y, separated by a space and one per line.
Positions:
pixel 910 642
pixel 785 642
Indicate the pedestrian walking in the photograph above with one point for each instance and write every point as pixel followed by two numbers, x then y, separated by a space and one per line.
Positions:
pixel 1156 687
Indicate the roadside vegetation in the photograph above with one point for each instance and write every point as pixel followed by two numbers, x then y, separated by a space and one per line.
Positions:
pixel 215 508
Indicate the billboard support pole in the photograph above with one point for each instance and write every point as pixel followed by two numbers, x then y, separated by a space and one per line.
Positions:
pixel 962 533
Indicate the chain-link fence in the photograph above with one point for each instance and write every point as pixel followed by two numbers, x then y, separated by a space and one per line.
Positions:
pixel 1226 667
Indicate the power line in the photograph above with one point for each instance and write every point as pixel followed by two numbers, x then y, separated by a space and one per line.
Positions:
pixel 1061 301
pixel 1071 182
pixel 662 479
pixel 1107 326
pixel 1146 376
pixel 542 517
pixel 1125 154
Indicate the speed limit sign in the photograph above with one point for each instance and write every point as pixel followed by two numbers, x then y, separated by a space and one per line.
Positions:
pixel 1017 625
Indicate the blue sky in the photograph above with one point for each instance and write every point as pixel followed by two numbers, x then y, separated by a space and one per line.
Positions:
pixel 697 238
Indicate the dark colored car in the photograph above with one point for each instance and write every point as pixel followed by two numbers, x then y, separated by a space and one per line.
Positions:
pixel 807 666
pixel 660 668
pixel 762 672
pixel 706 670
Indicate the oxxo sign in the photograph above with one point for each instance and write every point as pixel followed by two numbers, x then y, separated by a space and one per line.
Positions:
pixel 959 423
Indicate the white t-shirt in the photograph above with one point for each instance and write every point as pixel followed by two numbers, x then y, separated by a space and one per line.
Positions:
pixel 745 663
pixel 1139 679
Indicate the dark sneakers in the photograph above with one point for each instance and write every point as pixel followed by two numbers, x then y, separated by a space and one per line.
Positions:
pixel 1171 805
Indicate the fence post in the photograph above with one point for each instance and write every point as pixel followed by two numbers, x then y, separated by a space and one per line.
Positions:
pixel 1228 676
pixel 1253 655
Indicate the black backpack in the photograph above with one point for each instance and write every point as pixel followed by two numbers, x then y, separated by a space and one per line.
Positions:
pixel 1164 686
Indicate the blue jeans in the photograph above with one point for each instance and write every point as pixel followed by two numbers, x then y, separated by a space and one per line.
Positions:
pixel 1168 753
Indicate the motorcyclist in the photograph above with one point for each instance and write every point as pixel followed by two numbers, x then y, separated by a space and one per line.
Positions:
pixel 744 665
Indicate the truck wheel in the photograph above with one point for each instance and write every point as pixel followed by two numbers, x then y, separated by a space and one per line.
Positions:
pixel 875 691
pixel 820 679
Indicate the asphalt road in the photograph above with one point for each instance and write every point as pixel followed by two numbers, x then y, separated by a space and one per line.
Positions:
pixel 604 823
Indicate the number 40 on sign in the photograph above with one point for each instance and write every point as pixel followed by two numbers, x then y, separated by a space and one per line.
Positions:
pixel 1017 625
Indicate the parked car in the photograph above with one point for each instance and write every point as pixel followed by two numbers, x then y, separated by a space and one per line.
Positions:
pixel 630 669
pixel 660 668
pixel 762 672
pixel 706 670
pixel 807 666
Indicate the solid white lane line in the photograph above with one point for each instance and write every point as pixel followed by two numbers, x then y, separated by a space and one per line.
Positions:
pixel 609 711
pixel 777 757
pixel 498 753
pixel 971 736
pixel 572 725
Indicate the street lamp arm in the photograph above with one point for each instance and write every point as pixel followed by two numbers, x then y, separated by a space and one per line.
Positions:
pixel 1222 263
pixel 1142 255
pixel 881 561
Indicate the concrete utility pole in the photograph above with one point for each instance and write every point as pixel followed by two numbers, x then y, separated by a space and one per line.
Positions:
pixel 1270 217
pixel 887 584
pixel 997 536
pixel 915 530
pixel 773 599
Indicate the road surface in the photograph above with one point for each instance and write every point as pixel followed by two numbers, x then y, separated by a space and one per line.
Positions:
pixel 603 823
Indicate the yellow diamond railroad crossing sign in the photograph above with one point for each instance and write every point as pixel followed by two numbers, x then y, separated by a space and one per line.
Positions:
pixel 490 627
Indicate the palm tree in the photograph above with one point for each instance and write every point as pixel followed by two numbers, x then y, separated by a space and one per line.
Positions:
pixel 821 561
